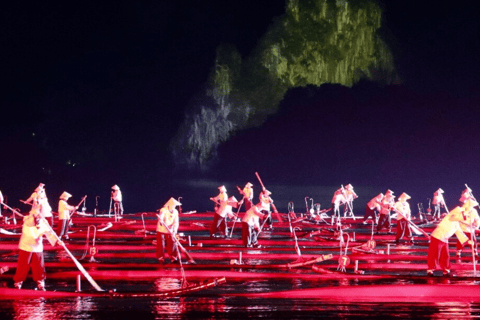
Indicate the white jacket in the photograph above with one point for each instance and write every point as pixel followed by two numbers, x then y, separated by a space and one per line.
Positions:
pixel 248 193
pixel 64 210
pixel 169 218
pixel 117 195
pixel 403 210
pixel 252 217
pixel 222 200
pixel 32 236
pixel 438 199
pixel 449 226
pixel 265 201
pixel 387 202
pixel 375 203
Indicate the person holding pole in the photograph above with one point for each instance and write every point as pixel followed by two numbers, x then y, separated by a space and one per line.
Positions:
pixel 247 193
pixel 438 202
pixel 338 200
pixel 117 201
pixel 438 257
pixel 466 194
pixel 350 195
pixel 38 199
pixel 231 203
pixel 221 210
pixel 1 201
pixel 251 226
pixel 30 253
pixel 167 228
pixel 469 226
pixel 387 203
pixel 64 210
pixel 33 199
pixel 265 203
pixel 268 193
pixel 402 208
pixel 373 208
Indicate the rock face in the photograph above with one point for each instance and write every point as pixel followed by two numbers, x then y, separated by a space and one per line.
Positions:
pixel 313 43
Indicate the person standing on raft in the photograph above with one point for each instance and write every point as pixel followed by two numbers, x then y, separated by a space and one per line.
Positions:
pixel 438 202
pixel 438 257
pixel 350 195
pixel 402 208
pixel 1 201
pixel 466 195
pixel 167 228
pixel 247 193
pixel 387 203
pixel 266 202
pixel 251 226
pixel 469 226
pixel 64 214
pixel 373 209
pixel 117 198
pixel 30 253
pixel 219 223
pixel 337 200
pixel 38 199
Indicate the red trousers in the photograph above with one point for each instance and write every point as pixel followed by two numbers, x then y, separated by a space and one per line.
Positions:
pixel 165 242
pixel 438 256
pixel 25 261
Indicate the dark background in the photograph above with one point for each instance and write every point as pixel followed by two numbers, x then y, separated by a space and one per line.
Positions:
pixel 93 93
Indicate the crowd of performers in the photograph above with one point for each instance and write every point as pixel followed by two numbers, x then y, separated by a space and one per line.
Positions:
pixel 461 221
pixel 39 223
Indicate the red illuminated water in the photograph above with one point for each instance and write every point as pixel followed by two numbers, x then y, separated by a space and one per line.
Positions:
pixel 215 303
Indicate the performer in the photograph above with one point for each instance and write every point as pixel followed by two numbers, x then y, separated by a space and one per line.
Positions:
pixel 388 202
pixel 350 195
pixel 117 198
pixel 64 210
pixel 251 226
pixel 438 202
pixel 469 226
pixel 232 203
pixel 247 193
pixel 402 208
pixel 466 194
pixel 438 255
pixel 167 228
pixel 266 202
pixel 34 196
pixel 219 224
pixel 373 208
pixel 1 201
pixel 30 253
pixel 38 199
pixel 220 219
pixel 337 200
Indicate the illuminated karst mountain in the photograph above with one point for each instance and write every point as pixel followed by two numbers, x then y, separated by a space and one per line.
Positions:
pixel 314 42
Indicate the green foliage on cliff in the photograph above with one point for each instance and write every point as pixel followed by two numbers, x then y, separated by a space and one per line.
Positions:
pixel 314 42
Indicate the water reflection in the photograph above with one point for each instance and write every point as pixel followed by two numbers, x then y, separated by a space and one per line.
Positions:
pixel 214 303
pixel 176 306
pixel 34 310
pixel 164 284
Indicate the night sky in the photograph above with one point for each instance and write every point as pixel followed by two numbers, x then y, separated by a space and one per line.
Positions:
pixel 93 93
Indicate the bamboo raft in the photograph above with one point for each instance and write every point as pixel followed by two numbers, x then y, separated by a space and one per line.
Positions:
pixel 125 249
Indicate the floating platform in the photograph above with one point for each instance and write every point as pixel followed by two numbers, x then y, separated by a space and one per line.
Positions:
pixel 124 250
